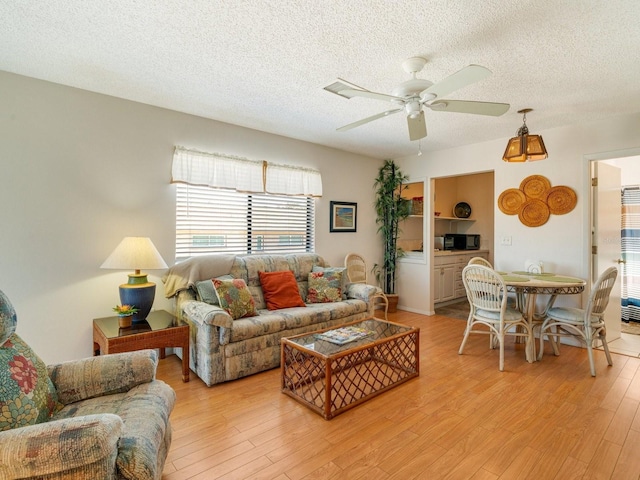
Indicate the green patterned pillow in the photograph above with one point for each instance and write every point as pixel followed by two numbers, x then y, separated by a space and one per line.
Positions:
pixel 332 271
pixel 235 298
pixel 27 395
pixel 325 287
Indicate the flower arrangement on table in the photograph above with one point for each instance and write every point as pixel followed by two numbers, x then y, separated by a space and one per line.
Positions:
pixel 125 310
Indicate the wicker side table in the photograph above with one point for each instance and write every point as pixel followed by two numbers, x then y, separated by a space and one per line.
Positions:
pixel 159 330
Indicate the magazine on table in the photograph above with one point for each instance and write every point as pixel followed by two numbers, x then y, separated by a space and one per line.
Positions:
pixel 344 335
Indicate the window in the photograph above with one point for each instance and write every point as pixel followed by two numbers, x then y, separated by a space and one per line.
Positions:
pixel 210 220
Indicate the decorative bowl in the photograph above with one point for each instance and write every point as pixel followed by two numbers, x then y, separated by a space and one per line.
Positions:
pixel 462 210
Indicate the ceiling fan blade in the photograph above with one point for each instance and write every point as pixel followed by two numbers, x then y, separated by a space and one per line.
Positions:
pixel 465 106
pixel 368 119
pixel 462 78
pixel 417 127
pixel 366 93
pixel 349 90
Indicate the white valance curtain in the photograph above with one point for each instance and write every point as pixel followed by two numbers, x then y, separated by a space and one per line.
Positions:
pixel 291 180
pixel 243 175
pixel 212 170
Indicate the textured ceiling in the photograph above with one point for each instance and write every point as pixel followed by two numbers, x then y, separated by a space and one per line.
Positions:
pixel 263 64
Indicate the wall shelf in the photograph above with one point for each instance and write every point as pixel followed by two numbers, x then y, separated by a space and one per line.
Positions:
pixel 455 219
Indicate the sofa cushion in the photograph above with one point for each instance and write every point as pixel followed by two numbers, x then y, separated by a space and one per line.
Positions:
pixel 325 286
pixel 280 290
pixel 207 292
pixel 256 330
pixel 235 298
pixel 266 323
pixel 27 395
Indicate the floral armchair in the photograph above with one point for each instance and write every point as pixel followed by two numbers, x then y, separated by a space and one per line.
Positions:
pixel 104 417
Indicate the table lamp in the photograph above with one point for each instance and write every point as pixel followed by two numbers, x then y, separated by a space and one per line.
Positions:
pixel 136 253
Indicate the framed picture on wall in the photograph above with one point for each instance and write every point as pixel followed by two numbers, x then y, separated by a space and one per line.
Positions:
pixel 343 217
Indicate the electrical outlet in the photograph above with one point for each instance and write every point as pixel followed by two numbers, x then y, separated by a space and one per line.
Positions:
pixel 506 240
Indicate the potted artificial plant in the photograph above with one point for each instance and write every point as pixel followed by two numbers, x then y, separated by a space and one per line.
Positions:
pixel 125 314
pixel 391 209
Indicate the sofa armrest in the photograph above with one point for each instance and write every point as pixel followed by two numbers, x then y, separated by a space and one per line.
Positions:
pixel 201 313
pixel 104 375
pixel 361 291
pixel 88 443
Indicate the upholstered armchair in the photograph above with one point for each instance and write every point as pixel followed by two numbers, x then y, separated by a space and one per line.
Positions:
pixel 103 417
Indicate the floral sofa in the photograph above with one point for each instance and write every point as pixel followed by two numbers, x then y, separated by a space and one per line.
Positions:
pixel 226 348
pixel 103 417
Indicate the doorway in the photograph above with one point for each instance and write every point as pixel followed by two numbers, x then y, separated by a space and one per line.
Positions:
pixel 628 164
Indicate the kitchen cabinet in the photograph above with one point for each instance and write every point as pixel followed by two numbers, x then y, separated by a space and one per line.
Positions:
pixel 446 276
pixel 444 280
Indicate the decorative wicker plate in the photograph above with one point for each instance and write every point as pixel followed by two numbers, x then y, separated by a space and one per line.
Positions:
pixel 462 210
pixel 561 199
pixel 535 186
pixel 534 213
pixel 511 200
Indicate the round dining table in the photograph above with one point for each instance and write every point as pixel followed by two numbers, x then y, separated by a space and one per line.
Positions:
pixel 527 286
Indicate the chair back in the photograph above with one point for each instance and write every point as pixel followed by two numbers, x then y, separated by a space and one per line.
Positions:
pixel 600 292
pixel 485 288
pixel 480 261
pixel 8 318
pixel 356 268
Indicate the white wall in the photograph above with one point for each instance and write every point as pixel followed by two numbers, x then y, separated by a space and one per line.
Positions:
pixel 562 243
pixel 80 171
pixel 629 168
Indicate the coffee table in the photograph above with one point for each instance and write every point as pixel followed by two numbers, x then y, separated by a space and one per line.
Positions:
pixel 160 330
pixel 330 378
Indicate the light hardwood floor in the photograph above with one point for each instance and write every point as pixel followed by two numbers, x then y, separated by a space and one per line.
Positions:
pixel 460 419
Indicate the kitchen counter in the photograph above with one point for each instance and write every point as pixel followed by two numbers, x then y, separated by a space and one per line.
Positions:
pixel 441 253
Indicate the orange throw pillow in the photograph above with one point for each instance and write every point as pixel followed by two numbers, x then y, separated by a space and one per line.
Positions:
pixel 280 290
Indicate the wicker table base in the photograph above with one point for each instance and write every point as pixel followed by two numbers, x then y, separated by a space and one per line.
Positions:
pixel 330 378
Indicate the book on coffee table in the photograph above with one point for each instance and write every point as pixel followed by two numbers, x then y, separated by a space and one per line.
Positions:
pixel 340 336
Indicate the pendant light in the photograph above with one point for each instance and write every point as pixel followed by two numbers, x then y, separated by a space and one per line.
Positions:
pixel 524 147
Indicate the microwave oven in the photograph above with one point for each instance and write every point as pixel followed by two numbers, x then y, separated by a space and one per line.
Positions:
pixel 443 243
pixel 461 241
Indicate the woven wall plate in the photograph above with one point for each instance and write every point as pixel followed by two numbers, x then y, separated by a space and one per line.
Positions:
pixel 510 201
pixel 535 186
pixel 534 213
pixel 561 199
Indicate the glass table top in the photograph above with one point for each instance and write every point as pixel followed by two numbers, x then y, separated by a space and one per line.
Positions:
pixel 157 320
pixel 375 329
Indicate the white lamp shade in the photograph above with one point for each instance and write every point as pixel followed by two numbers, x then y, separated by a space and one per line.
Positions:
pixel 135 253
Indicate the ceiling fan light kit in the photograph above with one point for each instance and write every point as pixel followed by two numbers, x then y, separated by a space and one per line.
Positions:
pixel 415 94
pixel 524 147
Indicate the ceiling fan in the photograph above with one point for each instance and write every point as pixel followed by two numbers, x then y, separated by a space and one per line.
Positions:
pixel 412 95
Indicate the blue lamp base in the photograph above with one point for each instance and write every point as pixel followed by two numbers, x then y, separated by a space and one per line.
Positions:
pixel 140 293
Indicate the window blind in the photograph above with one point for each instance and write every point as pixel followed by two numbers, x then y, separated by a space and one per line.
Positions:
pixel 210 220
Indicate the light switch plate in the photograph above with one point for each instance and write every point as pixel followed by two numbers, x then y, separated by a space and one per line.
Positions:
pixel 506 240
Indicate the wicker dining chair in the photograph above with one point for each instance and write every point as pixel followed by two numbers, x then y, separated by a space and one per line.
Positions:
pixel 585 324
pixel 356 269
pixel 480 261
pixel 487 295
